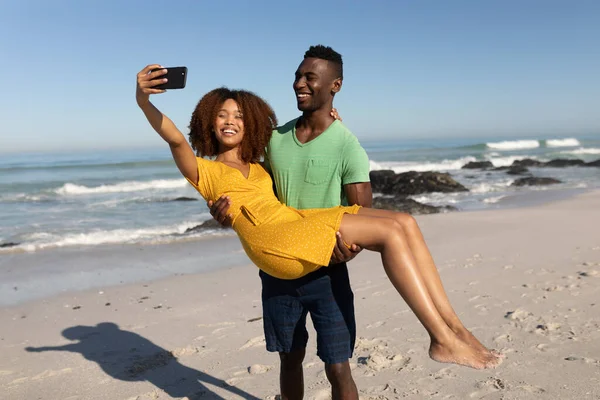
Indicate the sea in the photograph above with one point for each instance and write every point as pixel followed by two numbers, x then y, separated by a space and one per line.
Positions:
pixel 55 200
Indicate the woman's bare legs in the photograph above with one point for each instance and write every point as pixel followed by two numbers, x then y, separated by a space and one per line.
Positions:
pixel 386 236
pixel 429 272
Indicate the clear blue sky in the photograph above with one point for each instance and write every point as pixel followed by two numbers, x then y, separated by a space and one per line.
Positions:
pixel 508 68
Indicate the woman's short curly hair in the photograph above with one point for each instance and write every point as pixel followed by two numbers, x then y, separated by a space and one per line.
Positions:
pixel 259 122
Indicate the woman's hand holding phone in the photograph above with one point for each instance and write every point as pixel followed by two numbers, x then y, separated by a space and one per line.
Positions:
pixel 146 80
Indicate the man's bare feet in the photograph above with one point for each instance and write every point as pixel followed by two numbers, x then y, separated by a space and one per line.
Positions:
pixel 458 352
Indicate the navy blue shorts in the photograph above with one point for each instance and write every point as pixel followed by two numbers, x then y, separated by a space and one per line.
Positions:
pixel 327 296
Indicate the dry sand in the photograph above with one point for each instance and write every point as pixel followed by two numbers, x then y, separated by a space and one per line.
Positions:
pixel 526 281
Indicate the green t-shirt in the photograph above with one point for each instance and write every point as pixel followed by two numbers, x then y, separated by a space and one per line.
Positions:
pixel 313 174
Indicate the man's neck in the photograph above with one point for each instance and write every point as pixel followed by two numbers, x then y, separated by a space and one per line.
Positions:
pixel 311 124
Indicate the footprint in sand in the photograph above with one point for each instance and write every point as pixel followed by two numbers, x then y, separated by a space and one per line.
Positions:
pixel 323 394
pixel 377 362
pixel 586 360
pixel 444 373
pixel 364 344
pixel 376 324
pixel 592 273
pixel 185 351
pixel 216 325
pixel 257 369
pixel 254 342
pixel 519 315
pixel 547 328
pixel 488 386
pixel 531 389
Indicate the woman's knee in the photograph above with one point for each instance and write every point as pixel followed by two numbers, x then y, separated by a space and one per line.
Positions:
pixel 407 221
pixel 395 232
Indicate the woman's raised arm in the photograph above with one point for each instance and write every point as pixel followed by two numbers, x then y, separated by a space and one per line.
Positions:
pixel 182 152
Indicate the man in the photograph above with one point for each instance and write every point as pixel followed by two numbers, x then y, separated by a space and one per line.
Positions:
pixel 316 163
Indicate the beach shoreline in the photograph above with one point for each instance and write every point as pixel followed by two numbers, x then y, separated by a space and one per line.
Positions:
pixel 525 280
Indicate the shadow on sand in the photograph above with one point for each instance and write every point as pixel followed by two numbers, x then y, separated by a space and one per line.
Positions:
pixel 130 357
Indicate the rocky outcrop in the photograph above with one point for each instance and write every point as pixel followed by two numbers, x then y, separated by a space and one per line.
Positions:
pixel 409 206
pixel 409 183
pixel 183 198
pixel 206 225
pixel 527 162
pixel 517 170
pixel 562 162
pixel 555 163
pixel 535 181
pixel 478 165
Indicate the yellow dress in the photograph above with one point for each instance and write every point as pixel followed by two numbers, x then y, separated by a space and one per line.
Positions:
pixel 282 241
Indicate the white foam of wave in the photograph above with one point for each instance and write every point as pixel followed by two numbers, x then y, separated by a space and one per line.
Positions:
pixel 568 142
pixel 582 150
pixel 133 186
pixel 493 200
pixel 514 145
pixel 41 240
pixel 505 161
pixel 486 187
pixel 436 198
pixel 399 167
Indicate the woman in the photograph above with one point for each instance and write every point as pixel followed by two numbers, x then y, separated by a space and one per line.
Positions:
pixel 235 127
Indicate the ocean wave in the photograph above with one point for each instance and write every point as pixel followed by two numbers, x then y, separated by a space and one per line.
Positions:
pixel 493 200
pixel 487 187
pixel 399 167
pixel 568 142
pixel 51 166
pixel 582 150
pixel 71 189
pixel 513 145
pixel 437 198
pixel 506 161
pixel 43 240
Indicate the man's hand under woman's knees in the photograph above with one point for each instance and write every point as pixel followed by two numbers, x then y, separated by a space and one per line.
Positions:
pixel 341 252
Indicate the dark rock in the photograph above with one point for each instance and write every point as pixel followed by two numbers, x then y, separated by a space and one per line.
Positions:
pixel 517 170
pixel 184 199
pixel 534 181
pixel 381 178
pixel 409 206
pixel 593 163
pixel 562 162
pixel 478 164
pixel 8 244
pixel 408 183
pixel 527 162
pixel 208 224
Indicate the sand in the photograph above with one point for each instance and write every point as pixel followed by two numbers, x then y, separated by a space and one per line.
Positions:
pixel 525 281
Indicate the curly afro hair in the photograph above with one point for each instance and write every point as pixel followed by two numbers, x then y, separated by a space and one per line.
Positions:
pixel 329 54
pixel 259 122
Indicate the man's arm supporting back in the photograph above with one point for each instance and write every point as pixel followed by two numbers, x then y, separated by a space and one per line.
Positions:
pixel 359 193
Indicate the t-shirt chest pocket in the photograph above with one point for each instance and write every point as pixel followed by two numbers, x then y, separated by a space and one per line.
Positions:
pixel 318 171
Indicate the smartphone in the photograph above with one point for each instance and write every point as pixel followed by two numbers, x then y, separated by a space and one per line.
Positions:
pixel 176 78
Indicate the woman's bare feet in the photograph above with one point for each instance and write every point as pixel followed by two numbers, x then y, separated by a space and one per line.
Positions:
pixel 458 352
pixel 466 336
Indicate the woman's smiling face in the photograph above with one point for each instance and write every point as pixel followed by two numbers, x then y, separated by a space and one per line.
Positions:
pixel 229 124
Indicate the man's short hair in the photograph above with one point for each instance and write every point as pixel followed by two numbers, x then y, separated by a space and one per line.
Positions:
pixel 329 54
